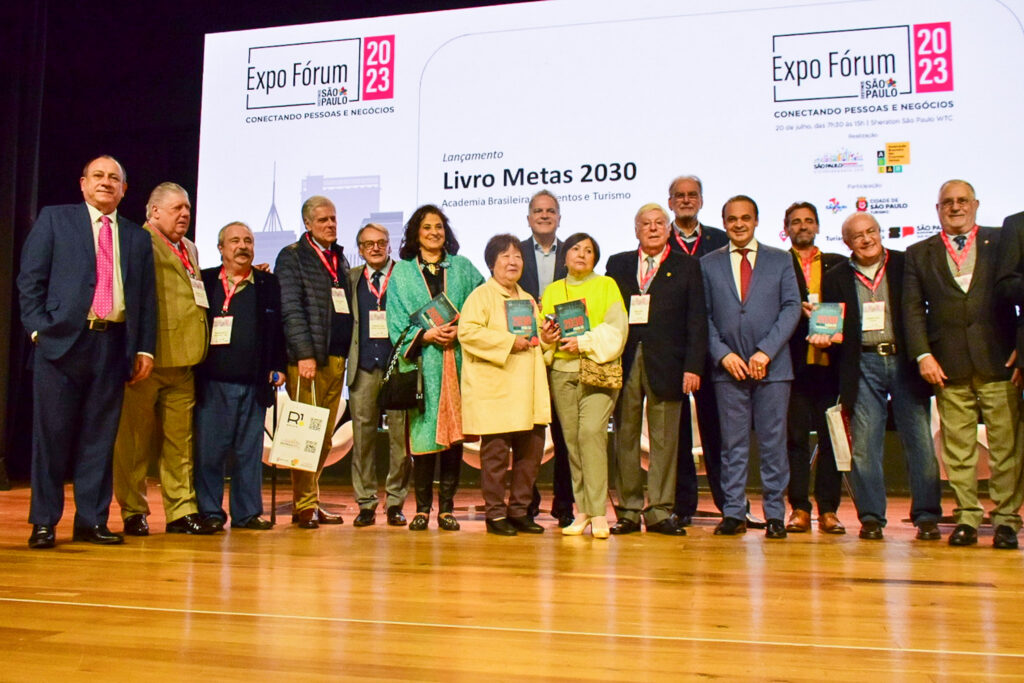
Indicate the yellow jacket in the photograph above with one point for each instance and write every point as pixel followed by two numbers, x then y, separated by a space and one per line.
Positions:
pixel 182 333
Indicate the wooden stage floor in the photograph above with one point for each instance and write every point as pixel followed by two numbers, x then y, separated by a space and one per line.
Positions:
pixel 383 603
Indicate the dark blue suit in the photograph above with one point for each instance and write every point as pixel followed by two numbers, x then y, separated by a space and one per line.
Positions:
pixel 764 322
pixel 79 374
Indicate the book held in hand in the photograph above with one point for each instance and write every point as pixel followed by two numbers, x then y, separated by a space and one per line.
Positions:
pixel 438 312
pixel 827 319
pixel 521 319
pixel 572 318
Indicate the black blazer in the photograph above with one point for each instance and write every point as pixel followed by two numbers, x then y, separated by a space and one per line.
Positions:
pixel 841 285
pixel 529 281
pixel 270 347
pixel 968 332
pixel 798 342
pixel 58 278
pixel 710 239
pixel 676 338
pixel 1010 274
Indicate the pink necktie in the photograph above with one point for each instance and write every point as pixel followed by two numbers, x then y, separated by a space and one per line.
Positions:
pixel 103 298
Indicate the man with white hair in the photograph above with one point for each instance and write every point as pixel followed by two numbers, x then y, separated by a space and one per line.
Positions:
pixel 167 397
pixel 663 361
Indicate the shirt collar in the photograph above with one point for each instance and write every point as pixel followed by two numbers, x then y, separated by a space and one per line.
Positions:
pixel 683 236
pixel 383 270
pixel 95 214
pixel 751 245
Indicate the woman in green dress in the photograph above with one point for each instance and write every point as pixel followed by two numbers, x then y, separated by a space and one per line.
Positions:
pixel 430 265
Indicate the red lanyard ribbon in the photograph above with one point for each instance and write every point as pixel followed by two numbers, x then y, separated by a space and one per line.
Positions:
pixel 959 257
pixel 873 285
pixel 383 287
pixel 331 266
pixel 682 242
pixel 179 251
pixel 645 281
pixel 228 294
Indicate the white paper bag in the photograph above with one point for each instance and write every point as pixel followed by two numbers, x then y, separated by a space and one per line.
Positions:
pixel 300 433
pixel 839 431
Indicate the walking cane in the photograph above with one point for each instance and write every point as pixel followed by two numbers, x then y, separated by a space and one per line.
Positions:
pixel 273 466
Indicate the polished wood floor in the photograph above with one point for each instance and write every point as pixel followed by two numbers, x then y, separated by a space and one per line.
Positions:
pixel 382 603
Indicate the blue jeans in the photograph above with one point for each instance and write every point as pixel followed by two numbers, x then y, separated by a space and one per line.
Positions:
pixel 880 377
pixel 229 433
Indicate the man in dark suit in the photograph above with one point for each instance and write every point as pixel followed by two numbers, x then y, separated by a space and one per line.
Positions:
pixel 368 355
pixel 235 383
pixel 1010 276
pixel 814 385
pixel 87 299
pixel 543 263
pixel 874 364
pixel 963 340
pixel 753 307
pixel 663 361
pixel 691 237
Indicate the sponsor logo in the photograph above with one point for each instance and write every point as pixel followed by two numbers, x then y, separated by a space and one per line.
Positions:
pixel 893 158
pixel 898 231
pixel 834 205
pixel 862 203
pixel 839 161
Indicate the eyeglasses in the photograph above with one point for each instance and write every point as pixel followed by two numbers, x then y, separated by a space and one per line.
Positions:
pixel 680 196
pixel 370 244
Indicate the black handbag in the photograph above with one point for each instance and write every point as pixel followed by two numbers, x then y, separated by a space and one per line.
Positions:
pixel 401 390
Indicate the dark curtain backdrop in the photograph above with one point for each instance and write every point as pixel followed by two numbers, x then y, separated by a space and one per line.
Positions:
pixel 125 79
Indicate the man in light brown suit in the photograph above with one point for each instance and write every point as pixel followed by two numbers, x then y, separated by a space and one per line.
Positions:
pixel 157 413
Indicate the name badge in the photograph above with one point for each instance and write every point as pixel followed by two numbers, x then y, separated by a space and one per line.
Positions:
pixel 964 281
pixel 378 324
pixel 340 300
pixel 813 298
pixel 221 330
pixel 639 309
pixel 873 316
pixel 199 293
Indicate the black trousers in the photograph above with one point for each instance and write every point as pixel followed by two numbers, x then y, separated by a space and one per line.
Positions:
pixel 811 394
pixel 423 467
pixel 711 441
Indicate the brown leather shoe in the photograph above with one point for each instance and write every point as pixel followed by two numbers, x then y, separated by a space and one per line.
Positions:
pixel 306 519
pixel 325 517
pixel 799 522
pixel 829 523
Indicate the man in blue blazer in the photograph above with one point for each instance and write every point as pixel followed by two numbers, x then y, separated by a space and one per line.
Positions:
pixel 88 301
pixel 753 308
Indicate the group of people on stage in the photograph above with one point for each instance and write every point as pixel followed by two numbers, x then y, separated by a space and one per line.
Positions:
pixel 140 354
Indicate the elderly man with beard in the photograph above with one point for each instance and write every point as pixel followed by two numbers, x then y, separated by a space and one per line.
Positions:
pixel 235 383
pixel 814 385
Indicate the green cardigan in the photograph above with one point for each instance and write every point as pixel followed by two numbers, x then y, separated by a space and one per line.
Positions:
pixel 407 293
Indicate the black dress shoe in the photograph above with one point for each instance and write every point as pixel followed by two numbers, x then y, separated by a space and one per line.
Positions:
pixel 325 517
pixel 753 521
pixel 190 524
pixel 98 534
pixel 447 521
pixel 215 522
pixel 1004 538
pixel 365 518
pixel 625 526
pixel 256 523
pixel 963 534
pixel 775 528
pixel 730 526
pixel 395 516
pixel 667 527
pixel 43 536
pixel 682 520
pixel 928 531
pixel 500 527
pixel 871 530
pixel 306 519
pixel 419 522
pixel 136 525
pixel 565 519
pixel 526 525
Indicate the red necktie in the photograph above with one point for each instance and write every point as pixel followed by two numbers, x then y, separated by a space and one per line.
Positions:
pixel 103 297
pixel 746 270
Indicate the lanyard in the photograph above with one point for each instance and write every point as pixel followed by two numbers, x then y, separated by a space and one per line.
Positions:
pixel 331 266
pixel 873 285
pixel 959 258
pixel 682 242
pixel 645 281
pixel 807 266
pixel 180 253
pixel 228 294
pixel 383 287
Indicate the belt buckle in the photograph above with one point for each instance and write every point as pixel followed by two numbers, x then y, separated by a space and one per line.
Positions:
pixel 886 349
pixel 98 325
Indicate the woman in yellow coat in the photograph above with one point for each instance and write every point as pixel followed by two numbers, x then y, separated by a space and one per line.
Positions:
pixel 505 396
